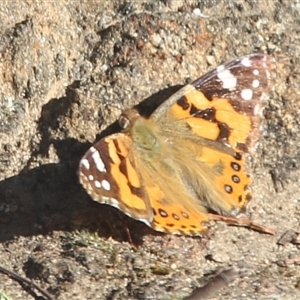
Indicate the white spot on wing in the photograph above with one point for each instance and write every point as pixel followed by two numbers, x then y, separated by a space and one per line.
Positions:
pixel 93 149
pixel 98 161
pixel 255 83
pixel 91 177
pixel 105 184
pixel 228 79
pixel 246 62
pixel 247 94
pixel 97 184
pixel 255 72
pixel 220 68
pixel 85 163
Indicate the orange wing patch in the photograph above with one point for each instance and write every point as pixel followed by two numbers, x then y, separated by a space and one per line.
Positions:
pixel 214 119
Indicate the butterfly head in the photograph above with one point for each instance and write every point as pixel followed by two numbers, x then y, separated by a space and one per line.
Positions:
pixel 128 118
pixel 141 130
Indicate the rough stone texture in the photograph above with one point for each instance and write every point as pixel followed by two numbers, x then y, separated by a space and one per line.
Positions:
pixel 67 70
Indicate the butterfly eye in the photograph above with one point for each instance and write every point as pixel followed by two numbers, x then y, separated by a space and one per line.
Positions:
pixel 128 118
pixel 124 121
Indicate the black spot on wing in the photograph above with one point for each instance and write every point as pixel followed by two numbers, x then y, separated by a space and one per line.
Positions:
pixel 183 103
pixel 228 189
pixel 176 217
pixel 235 179
pixel 162 213
pixel 237 155
pixel 235 166
pixel 211 94
pixel 224 132
pixel 208 114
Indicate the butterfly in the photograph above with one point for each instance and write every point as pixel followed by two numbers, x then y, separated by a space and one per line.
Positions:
pixel 188 158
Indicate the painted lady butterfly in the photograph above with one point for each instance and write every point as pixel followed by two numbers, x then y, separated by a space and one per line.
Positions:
pixel 187 158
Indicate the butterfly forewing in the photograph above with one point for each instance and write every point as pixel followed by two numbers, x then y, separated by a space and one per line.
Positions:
pixel 245 83
pixel 109 174
pixel 225 104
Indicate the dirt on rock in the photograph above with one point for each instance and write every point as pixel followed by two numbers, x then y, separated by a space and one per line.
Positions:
pixel 68 68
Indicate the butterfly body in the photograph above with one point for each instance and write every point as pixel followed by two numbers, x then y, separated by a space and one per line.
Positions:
pixel 187 158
